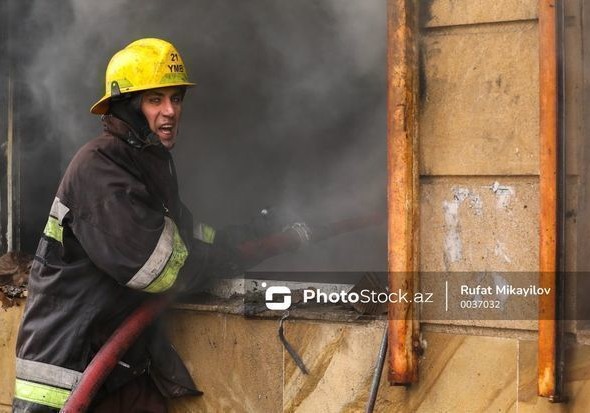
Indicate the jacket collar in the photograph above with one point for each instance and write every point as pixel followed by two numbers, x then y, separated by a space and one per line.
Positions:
pixel 121 129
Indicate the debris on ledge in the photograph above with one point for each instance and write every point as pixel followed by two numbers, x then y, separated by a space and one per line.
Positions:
pixel 14 274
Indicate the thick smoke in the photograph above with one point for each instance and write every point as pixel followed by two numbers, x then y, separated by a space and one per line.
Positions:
pixel 289 108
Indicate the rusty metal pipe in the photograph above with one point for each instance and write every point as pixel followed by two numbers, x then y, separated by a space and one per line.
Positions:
pixel 402 186
pixel 548 188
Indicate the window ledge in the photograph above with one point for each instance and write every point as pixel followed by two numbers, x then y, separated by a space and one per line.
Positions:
pixel 235 305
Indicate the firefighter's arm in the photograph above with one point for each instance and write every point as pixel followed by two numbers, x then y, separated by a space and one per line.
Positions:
pixel 213 255
pixel 134 243
pixel 229 252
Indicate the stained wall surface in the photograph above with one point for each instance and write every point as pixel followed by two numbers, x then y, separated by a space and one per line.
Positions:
pixel 9 322
pixel 242 367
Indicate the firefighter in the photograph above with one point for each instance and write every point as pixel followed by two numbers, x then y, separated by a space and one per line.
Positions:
pixel 118 233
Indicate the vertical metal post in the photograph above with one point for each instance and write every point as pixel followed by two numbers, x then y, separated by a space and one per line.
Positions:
pixel 12 178
pixel 402 186
pixel 4 115
pixel 10 202
pixel 548 383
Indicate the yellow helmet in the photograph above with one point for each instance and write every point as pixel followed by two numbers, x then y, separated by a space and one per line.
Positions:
pixel 142 65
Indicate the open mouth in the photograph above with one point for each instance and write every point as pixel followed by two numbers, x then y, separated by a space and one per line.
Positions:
pixel 166 130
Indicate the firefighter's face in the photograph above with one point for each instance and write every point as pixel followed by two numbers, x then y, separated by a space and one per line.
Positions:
pixel 162 108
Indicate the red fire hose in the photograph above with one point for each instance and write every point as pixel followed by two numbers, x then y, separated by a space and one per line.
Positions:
pixel 125 335
pixel 111 352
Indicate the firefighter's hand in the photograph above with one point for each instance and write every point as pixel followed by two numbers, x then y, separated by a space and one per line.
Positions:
pixel 267 221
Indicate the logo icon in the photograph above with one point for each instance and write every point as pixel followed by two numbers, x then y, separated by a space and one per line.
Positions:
pixel 271 292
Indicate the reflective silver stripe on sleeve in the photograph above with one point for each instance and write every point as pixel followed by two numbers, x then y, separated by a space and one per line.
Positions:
pixel 204 232
pixel 58 210
pixel 47 373
pixel 157 261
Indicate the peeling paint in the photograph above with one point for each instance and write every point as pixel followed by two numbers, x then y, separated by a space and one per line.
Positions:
pixel 503 194
pixel 500 281
pixel 500 251
pixel 453 244
pixel 462 194
pixel 476 203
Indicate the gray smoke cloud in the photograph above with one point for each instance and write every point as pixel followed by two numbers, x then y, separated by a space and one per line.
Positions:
pixel 289 109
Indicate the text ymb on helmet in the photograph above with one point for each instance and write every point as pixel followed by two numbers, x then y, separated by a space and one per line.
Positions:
pixel 142 65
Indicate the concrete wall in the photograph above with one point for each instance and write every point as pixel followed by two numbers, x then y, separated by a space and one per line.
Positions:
pixel 241 367
pixel 479 149
pixel 9 322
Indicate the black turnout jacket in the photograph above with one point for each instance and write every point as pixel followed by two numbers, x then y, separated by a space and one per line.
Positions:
pixel 117 234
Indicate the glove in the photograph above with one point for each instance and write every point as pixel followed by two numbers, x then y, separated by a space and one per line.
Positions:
pixel 265 224
pixel 267 221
